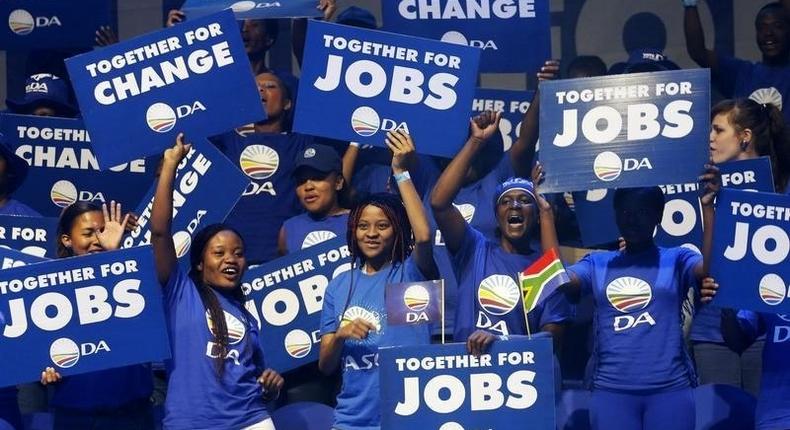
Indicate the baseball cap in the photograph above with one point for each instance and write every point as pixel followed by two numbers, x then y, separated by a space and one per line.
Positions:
pixel 319 157
pixel 43 89
pixel 648 60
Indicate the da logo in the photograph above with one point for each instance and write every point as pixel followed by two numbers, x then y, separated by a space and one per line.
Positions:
pixel 298 343
pixel 628 294
pixel 467 211
pixel 236 329
pixel 416 298
pixel 607 166
pixel 309 153
pixel 64 352
pixel 246 6
pixel 772 289
pixel 459 39
pixel 161 118
pixel 498 294
pixel 315 237
pixel 21 22
pixel 259 161
pixel 366 122
pixel 182 241
pixel 63 193
pixel 355 312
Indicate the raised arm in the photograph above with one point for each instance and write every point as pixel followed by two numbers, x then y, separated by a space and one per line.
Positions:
pixel 299 28
pixel 523 151
pixel 162 212
pixel 350 161
pixel 695 38
pixel 548 230
pixel 711 183
pixel 448 218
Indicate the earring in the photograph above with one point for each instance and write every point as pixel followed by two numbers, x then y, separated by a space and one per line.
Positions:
pixel 744 145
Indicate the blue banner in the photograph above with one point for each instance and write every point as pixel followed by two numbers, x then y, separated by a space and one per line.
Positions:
pixel 254 9
pixel 515 36
pixel 32 235
pixel 750 249
pixel 64 170
pixel 681 224
pixel 624 131
pixel 206 187
pixel 442 387
pixel 359 84
pixel 11 258
pixel 80 315
pixel 53 24
pixel 415 302
pixel 286 296
pixel 135 96
pixel 512 104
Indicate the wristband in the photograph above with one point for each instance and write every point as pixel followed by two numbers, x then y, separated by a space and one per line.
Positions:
pixel 402 177
pixel 690 3
pixel 353 144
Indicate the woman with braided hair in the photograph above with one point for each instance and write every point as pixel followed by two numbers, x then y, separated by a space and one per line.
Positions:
pixel 390 242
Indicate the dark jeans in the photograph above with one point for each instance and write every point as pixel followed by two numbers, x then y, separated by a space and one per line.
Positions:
pixel 718 364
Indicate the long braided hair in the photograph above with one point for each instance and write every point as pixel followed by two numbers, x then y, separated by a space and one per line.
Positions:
pixel 209 297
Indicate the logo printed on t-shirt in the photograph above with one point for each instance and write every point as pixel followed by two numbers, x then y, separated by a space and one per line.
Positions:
pixel 628 294
pixel 236 329
pixel 467 211
pixel 259 161
pixel 315 237
pixel 498 294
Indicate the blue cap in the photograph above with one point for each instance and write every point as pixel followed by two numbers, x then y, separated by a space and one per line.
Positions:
pixel 357 17
pixel 513 183
pixel 322 158
pixel 648 60
pixel 43 89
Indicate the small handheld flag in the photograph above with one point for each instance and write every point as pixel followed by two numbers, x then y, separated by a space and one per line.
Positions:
pixel 541 279
pixel 415 303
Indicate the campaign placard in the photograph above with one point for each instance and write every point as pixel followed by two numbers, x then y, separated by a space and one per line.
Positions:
pixel 205 190
pixel 359 84
pixel 415 302
pixel 63 168
pixel 81 314
pixel 512 104
pixel 53 23
pixel 254 9
pixel 628 130
pixel 750 249
pixel 137 95
pixel 286 296
pixel 681 224
pixel 29 234
pixel 12 258
pixel 515 36
pixel 443 387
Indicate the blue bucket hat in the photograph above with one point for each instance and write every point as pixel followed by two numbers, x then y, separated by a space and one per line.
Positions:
pixel 514 183
pixel 43 89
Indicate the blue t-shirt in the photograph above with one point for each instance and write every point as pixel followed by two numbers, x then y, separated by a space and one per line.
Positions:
pixel 268 159
pixel 196 398
pixel 358 401
pixel 773 402
pixel 489 297
pixel 638 320
pixel 104 389
pixel 304 231
pixel 17 208
pixel 741 78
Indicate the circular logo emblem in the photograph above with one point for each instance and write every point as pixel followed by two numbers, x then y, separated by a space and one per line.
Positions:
pixel 259 161
pixel 451 426
pixel 309 153
pixel 63 193
pixel 365 121
pixel 607 166
pixel 629 294
pixel 64 352
pixel 243 6
pixel 498 294
pixel 467 211
pixel 21 22
pixel 182 242
pixel 772 289
pixel 316 237
pixel 161 118
pixel 455 37
pixel 236 329
pixel 767 95
pixel 355 312
pixel 416 298
pixel 298 343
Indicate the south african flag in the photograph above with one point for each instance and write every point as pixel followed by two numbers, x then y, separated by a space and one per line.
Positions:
pixel 541 279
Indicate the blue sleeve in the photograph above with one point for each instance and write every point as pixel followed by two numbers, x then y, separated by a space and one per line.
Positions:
pixel 328 320
pixel 411 272
pixel 751 324
pixel 584 270
pixel 556 309
pixel 466 253
pixel 687 260
pixel 177 286
pixel 503 169
pixel 730 69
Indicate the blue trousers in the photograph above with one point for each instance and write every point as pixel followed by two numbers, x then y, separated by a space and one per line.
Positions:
pixel 661 411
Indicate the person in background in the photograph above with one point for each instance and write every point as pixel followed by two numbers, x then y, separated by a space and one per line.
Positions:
pixel 45 95
pixel 13 171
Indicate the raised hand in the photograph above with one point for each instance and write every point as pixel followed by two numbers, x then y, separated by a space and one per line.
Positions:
pixel 404 154
pixel 114 226
pixel 710 182
pixel 549 71
pixel 105 36
pixel 174 17
pixel 538 175
pixel 177 153
pixel 329 7
pixel 484 126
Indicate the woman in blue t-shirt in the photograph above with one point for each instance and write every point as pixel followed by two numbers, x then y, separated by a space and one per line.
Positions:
pixel 642 376
pixel 108 399
pixel 390 242
pixel 217 377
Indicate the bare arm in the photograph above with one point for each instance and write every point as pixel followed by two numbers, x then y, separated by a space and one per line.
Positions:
pixel 349 162
pixel 711 181
pixel 332 343
pixel 548 231
pixel 299 28
pixel 282 248
pixel 523 151
pixel 695 40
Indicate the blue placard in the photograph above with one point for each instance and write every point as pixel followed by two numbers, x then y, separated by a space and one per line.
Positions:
pixel 81 314
pixel 442 387
pixel 52 23
pixel 358 84
pixel 32 235
pixel 206 187
pixel 135 96
pixel 64 170
pixel 12 258
pixel 286 296
pixel 512 104
pixel 681 224
pixel 624 131
pixel 254 9
pixel 750 250
pixel 515 36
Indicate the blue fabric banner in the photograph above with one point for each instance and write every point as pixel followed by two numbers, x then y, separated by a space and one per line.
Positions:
pixel 11 258
pixel 750 249
pixel 512 104
pixel 63 169
pixel 135 96
pixel 624 131
pixel 286 297
pixel 442 387
pixel 32 235
pixel 53 23
pixel 80 315
pixel 515 36
pixel 254 9
pixel 359 84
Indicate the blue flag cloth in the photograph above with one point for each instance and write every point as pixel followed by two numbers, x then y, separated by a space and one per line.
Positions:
pixel 415 302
